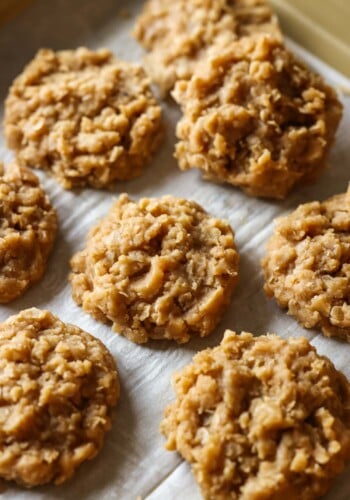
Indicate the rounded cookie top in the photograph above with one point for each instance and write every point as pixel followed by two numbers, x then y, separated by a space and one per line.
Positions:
pixel 158 268
pixel 58 387
pixel 256 117
pixel 28 225
pixel 261 417
pixel 87 117
pixel 179 34
pixel 307 265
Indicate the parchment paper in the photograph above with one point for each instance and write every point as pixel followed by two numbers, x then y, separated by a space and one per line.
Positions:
pixel 133 462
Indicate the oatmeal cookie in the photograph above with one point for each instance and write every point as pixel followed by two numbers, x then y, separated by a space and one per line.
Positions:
pixel 178 34
pixel 85 116
pixel 307 265
pixel 255 117
pixel 159 268
pixel 261 418
pixel 28 225
pixel 58 388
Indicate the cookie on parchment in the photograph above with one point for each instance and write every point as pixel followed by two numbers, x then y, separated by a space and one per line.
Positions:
pixel 256 117
pixel 58 387
pixel 28 226
pixel 261 417
pixel 179 34
pixel 307 265
pixel 87 117
pixel 159 268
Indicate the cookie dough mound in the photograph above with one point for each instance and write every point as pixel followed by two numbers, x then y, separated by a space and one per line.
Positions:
pixel 261 418
pixel 307 265
pixel 178 34
pixel 28 225
pixel 161 268
pixel 255 117
pixel 58 388
pixel 87 117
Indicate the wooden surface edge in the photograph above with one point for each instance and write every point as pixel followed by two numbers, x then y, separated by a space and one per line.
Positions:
pixel 10 8
pixel 313 37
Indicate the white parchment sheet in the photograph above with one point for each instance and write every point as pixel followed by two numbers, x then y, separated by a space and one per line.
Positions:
pixel 133 462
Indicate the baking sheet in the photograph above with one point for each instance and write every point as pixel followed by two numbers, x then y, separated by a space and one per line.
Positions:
pixel 133 462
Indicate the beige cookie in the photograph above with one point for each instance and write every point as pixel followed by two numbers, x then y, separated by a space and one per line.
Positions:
pixel 307 265
pixel 261 418
pixel 28 225
pixel 179 33
pixel 58 387
pixel 85 116
pixel 158 268
pixel 257 118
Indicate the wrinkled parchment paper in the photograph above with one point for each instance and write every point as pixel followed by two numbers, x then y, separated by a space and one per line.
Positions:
pixel 133 462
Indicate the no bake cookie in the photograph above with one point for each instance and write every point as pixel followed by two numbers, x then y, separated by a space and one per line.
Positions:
pixel 261 418
pixel 157 268
pixel 307 265
pixel 58 388
pixel 28 225
pixel 256 117
pixel 178 34
pixel 87 117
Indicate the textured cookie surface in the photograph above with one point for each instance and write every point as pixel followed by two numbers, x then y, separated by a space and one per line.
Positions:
pixel 178 34
pixel 159 268
pixel 28 226
pixel 307 265
pixel 87 117
pixel 255 117
pixel 58 386
pixel 261 418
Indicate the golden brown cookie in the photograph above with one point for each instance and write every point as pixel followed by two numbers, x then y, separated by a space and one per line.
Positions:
pixel 28 225
pixel 179 33
pixel 261 418
pixel 85 116
pixel 58 386
pixel 257 118
pixel 161 268
pixel 307 265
